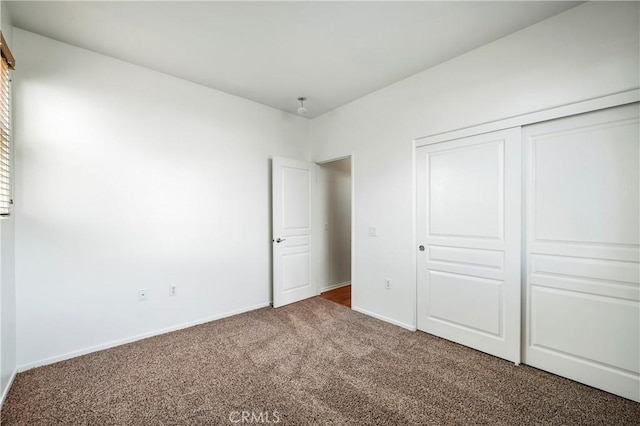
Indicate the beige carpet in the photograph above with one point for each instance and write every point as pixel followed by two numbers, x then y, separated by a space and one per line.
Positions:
pixel 314 362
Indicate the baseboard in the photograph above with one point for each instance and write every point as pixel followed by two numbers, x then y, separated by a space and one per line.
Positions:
pixel 385 319
pixel 6 390
pixel 135 338
pixel 334 286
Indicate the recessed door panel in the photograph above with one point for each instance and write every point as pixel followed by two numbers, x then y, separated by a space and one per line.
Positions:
pixel 586 184
pixel 464 179
pixel 466 301
pixel 295 271
pixel 295 190
pixel 492 259
pixel 603 330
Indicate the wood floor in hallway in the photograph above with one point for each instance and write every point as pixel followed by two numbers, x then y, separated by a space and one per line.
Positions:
pixel 341 295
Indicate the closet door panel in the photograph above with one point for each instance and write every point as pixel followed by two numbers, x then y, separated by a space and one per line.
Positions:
pixel 469 224
pixel 582 251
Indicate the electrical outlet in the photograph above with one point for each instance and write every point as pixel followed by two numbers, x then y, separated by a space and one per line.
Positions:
pixel 387 284
pixel 142 294
pixel 372 231
pixel 172 290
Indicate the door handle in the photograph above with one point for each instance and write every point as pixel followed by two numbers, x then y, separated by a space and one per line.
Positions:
pixel 421 248
pixel 279 240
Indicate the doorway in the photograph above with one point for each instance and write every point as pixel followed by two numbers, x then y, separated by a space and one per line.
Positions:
pixel 334 189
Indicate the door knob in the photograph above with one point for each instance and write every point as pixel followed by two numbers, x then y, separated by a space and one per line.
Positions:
pixel 421 248
pixel 279 240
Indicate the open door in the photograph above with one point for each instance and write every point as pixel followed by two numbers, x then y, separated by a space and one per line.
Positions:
pixel 293 191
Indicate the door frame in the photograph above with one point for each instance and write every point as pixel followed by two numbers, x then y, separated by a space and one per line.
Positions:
pixel 590 105
pixel 353 217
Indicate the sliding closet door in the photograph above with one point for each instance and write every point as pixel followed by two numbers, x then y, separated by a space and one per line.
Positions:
pixel 582 292
pixel 469 232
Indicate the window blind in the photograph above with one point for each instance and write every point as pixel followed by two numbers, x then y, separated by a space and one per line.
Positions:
pixel 7 64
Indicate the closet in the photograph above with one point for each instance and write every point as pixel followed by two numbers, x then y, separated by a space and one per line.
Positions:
pixel 528 245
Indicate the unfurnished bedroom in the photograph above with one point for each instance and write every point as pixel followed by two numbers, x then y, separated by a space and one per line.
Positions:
pixel 319 212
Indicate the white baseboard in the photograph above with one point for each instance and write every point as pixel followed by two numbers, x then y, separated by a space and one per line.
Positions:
pixel 334 286
pixel 126 340
pixel 385 319
pixel 6 390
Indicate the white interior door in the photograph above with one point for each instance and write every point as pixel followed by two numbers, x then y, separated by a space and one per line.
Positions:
pixel 582 291
pixel 469 229
pixel 293 191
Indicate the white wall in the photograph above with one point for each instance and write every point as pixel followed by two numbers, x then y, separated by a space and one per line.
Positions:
pixel 129 179
pixel 334 244
pixel 7 271
pixel 589 51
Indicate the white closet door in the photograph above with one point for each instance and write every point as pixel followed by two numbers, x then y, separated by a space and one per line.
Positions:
pixel 582 292
pixel 469 229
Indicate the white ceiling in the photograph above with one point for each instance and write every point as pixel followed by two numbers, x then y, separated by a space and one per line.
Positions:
pixel 273 52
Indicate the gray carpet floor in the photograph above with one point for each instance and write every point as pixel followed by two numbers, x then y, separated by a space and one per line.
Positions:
pixel 313 362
